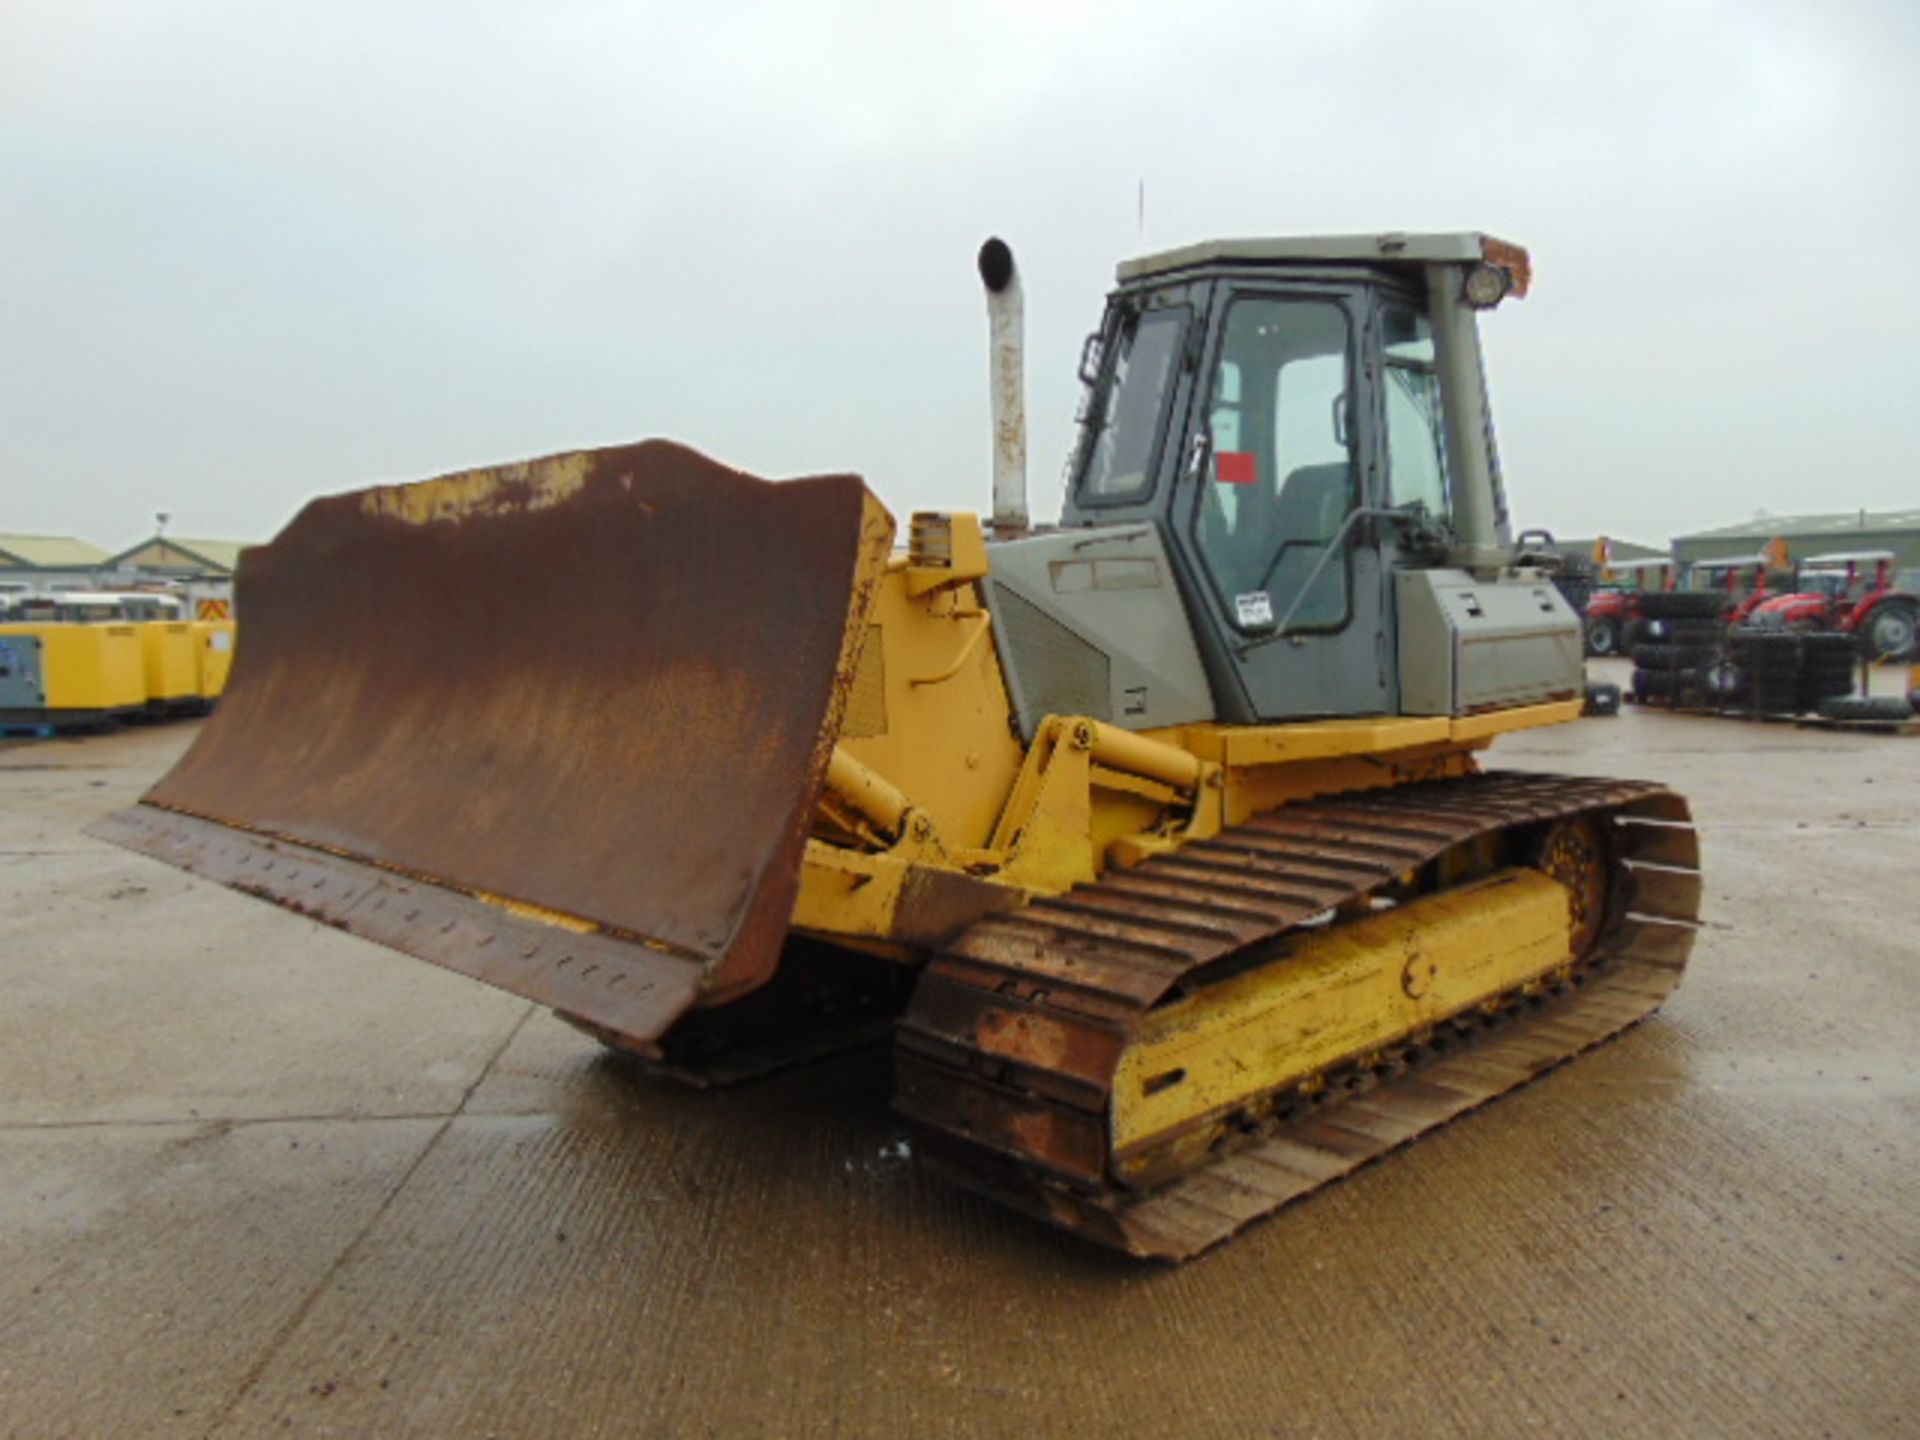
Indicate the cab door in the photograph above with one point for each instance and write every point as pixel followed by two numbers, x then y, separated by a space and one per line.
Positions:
pixel 1288 582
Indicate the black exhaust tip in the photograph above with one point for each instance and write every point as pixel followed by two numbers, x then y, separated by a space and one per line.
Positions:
pixel 996 264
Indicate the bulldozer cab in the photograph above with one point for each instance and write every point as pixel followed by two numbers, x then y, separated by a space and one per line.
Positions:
pixel 1282 416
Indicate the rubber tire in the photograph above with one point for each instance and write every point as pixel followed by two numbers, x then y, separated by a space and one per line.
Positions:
pixel 1891 632
pixel 1674 657
pixel 1683 632
pixel 1766 653
pixel 1690 686
pixel 1726 682
pixel 1815 691
pixel 1867 707
pixel 1603 636
pixel 1671 685
pixel 1683 604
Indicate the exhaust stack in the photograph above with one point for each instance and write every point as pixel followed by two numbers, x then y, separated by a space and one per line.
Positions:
pixel 1007 366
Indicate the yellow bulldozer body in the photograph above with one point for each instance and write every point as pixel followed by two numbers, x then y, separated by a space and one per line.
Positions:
pixel 641 738
pixel 549 689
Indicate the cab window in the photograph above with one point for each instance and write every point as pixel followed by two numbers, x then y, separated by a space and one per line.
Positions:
pixel 1416 439
pixel 1123 427
pixel 1281 480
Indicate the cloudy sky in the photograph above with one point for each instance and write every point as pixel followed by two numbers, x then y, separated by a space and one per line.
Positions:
pixel 255 250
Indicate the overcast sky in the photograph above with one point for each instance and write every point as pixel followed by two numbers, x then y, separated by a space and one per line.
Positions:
pixel 254 251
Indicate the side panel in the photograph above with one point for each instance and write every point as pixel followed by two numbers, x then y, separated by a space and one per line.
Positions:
pixel 1468 644
pixel 23 686
pixel 1091 622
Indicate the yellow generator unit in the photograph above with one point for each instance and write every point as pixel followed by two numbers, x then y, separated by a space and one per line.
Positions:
pixel 170 663
pixel 213 642
pixel 1160 840
pixel 69 672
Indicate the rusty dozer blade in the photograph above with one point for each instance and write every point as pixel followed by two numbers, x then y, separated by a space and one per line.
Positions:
pixel 561 726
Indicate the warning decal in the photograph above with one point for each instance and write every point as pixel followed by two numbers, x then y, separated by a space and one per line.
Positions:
pixel 1235 467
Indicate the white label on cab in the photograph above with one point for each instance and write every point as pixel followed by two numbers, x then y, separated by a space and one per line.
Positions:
pixel 1254 609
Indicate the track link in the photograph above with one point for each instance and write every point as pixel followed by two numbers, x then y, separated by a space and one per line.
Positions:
pixel 1009 1047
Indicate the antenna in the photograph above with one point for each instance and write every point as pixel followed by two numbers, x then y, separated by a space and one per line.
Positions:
pixel 160 519
pixel 1140 210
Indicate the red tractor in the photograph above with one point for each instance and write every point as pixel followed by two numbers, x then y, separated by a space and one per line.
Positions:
pixel 1748 583
pixel 1851 593
pixel 1615 602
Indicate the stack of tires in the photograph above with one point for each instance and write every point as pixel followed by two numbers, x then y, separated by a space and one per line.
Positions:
pixel 1827 663
pixel 1677 645
pixel 1763 673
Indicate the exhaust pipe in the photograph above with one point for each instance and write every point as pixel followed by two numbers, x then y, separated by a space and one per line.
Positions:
pixel 1006 363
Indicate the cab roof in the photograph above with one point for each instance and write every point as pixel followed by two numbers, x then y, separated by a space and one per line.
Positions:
pixel 1393 247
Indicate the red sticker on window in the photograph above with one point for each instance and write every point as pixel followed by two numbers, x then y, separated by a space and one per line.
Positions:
pixel 1235 467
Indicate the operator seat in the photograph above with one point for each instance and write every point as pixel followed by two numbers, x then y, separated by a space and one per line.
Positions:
pixel 1313 503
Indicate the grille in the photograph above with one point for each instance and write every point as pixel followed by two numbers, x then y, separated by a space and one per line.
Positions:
pixel 1052 670
pixel 867 697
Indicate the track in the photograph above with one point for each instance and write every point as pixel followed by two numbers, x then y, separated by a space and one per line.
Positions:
pixel 1009 1048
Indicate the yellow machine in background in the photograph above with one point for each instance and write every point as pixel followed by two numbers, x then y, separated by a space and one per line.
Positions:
pixel 1159 839
pixel 79 659
pixel 170 664
pixel 213 642
pixel 70 672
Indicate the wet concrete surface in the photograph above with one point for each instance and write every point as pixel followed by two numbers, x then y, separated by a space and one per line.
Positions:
pixel 257 1177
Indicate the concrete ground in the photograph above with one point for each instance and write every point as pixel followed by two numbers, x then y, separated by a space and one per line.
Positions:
pixel 259 1177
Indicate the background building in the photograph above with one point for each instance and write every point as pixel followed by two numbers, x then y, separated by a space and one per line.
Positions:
pixel 1810 535
pixel 38 561
pixel 175 557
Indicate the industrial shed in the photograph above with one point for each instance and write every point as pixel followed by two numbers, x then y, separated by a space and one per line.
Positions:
pixel 1810 535
pixel 43 559
pixel 177 556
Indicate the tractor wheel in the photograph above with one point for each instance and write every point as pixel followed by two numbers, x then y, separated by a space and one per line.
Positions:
pixel 1603 635
pixel 1890 632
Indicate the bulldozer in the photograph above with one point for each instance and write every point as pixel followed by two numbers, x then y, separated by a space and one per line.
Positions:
pixel 1157 840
